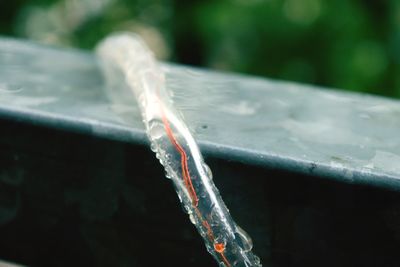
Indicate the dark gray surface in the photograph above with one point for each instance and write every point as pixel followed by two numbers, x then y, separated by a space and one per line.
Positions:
pixel 349 137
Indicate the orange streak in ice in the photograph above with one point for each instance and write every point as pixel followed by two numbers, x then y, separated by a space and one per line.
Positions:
pixel 219 248
pixel 184 160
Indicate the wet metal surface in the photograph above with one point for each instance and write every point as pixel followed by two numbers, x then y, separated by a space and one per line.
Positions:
pixel 348 137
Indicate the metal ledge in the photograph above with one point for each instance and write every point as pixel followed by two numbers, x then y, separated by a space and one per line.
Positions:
pixel 343 136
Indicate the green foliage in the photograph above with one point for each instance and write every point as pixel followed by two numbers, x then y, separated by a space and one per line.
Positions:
pixel 352 45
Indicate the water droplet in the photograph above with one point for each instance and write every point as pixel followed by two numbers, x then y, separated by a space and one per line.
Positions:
pixel 153 147
pixel 156 130
pixel 222 264
pixel 210 249
pixel 208 171
pixel 244 239
pixel 192 219
pixel 167 158
pixel 186 209
pixel 219 247
pixel 365 116
pixel 9 88
pixel 180 198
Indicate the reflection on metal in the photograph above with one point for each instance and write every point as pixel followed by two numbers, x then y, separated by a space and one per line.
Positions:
pixel 349 137
pixel 7 264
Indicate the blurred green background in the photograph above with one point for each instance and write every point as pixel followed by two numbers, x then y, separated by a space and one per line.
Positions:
pixel 348 44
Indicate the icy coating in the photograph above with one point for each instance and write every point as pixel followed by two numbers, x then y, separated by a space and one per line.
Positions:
pixel 176 149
